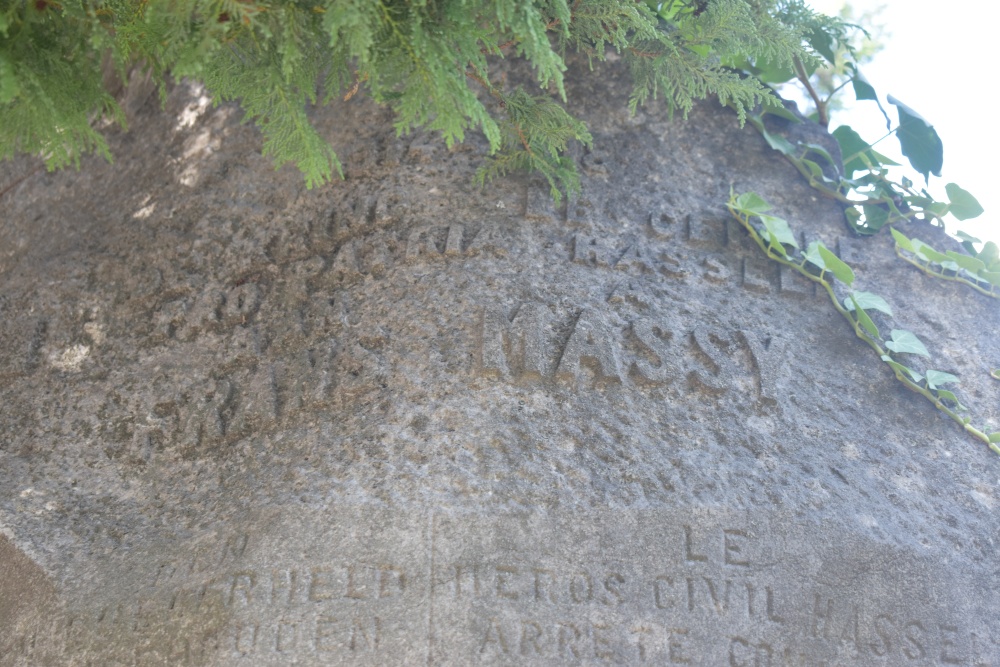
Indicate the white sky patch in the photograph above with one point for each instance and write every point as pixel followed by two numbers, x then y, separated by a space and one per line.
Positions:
pixel 936 61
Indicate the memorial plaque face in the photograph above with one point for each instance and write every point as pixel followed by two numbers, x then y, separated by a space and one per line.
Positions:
pixel 405 421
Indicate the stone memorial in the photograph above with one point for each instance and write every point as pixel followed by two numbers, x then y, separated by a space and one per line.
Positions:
pixel 404 420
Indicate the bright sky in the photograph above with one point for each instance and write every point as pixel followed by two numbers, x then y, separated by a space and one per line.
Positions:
pixel 938 61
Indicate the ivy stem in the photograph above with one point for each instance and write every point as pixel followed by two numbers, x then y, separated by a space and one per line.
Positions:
pixel 944 276
pixel 871 145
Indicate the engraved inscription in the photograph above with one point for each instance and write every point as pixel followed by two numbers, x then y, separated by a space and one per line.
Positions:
pixel 525 346
pixel 692 591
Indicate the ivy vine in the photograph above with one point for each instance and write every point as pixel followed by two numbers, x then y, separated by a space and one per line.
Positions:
pixel 774 237
pixel 873 198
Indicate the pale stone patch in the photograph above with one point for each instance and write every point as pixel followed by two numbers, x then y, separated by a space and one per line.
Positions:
pixel 195 109
pixel 95 331
pixel 71 358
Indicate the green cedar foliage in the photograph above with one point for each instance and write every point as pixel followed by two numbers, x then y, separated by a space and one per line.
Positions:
pixel 433 62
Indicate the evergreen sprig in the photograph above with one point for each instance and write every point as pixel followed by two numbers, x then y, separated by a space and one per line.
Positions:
pixel 431 63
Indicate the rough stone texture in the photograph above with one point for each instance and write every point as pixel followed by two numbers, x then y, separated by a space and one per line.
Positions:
pixel 400 420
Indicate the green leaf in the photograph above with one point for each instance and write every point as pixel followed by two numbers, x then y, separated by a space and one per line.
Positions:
pixel 815 171
pixel 964 236
pixel 812 255
pixel 778 234
pixel 902 240
pixel 821 151
pixel 823 42
pixel 971 264
pixel 836 266
pixel 936 379
pixel 995 373
pixel 992 277
pixel 946 395
pixel 773 72
pixel 852 147
pixel 918 140
pixel 969 242
pixel 963 205
pixel 995 437
pixel 914 375
pixel 777 142
pixel 781 112
pixel 752 203
pixel 868 301
pixel 864 320
pixel 990 255
pixel 865 91
pixel 875 216
pixel 928 253
pixel 906 342
pixel 853 216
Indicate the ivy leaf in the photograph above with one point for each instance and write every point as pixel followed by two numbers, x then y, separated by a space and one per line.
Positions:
pixel 946 395
pixel 836 266
pixel 752 203
pixel 821 151
pixel 815 171
pixel 938 208
pixel 822 41
pixel 915 376
pixel 964 236
pixel 875 216
pixel 779 234
pixel 992 277
pixel 867 300
pixel 853 216
pixel 853 147
pixel 902 240
pixel 918 140
pixel 990 254
pixel 970 264
pixel 777 142
pixel 906 342
pixel 963 205
pixel 812 255
pixel 928 253
pixel 864 320
pixel 937 378
pixel 865 91
pixel 780 112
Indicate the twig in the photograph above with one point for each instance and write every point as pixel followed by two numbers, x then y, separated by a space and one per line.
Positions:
pixel 800 74
pixel 357 84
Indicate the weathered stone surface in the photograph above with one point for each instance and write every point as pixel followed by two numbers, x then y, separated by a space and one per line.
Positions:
pixel 401 420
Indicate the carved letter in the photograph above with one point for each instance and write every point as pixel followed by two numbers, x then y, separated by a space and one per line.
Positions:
pixel 656 339
pixel 590 344
pixel 345 263
pixel 453 244
pixel 586 250
pixel 516 346
pixel 421 242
